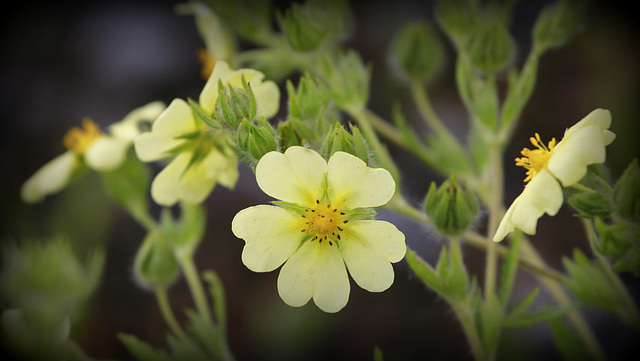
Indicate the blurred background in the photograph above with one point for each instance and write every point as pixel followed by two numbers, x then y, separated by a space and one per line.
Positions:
pixel 102 59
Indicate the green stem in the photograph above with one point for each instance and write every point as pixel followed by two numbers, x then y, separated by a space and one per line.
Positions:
pixel 423 103
pixel 167 314
pixel 382 154
pixel 557 291
pixel 464 314
pixel 631 317
pixel 197 291
pixel 495 214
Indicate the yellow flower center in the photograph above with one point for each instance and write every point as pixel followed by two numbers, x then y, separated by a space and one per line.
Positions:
pixel 535 160
pixel 78 140
pixel 324 222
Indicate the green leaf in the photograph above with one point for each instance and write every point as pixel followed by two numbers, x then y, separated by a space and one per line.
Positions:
pixel 509 269
pixel 512 319
pixel 216 289
pixel 424 271
pixel 567 341
pixel 141 350
pixel 128 185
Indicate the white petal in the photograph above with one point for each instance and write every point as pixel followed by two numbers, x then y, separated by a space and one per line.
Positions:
pixel 267 98
pixel 297 176
pixel 175 121
pixel 600 118
pixel 570 158
pixel 368 248
pixel 209 94
pixel 165 188
pixel 315 270
pixel 129 127
pixel 271 236
pixel 106 153
pixel 196 183
pixel 222 167
pixel 351 184
pixel 542 194
pixel 49 179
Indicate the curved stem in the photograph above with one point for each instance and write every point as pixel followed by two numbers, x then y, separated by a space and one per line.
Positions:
pixel 197 291
pixel 465 316
pixel 167 313
pixel 423 103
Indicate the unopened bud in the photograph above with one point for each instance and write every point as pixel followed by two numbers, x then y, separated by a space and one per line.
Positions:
pixel 256 140
pixel 416 52
pixel 234 104
pixel 155 264
pixel 451 207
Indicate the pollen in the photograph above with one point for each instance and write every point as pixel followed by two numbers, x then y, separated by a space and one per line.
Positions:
pixel 534 160
pixel 78 140
pixel 324 221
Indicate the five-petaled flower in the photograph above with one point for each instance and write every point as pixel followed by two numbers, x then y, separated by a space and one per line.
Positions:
pixel 201 160
pixel 89 145
pixel 322 223
pixel 549 166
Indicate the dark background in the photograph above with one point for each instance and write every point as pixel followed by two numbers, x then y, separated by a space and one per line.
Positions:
pixel 60 63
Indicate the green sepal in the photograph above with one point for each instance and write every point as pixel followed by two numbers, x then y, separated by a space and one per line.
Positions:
pixel 359 214
pixel 141 350
pixel 155 264
pixel 626 193
pixel 291 207
pixel 200 114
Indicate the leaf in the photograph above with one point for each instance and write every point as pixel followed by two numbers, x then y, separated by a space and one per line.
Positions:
pixel 216 289
pixel 141 350
pixel 509 269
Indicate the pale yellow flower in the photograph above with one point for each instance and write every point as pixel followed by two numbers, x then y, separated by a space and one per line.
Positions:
pixel 553 166
pixel 92 147
pixel 199 163
pixel 322 225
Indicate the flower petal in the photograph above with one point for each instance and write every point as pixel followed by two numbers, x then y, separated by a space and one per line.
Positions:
pixel 198 181
pixel 600 118
pixel 129 127
pixel 209 94
pixel 570 158
pixel 297 176
pixel 542 194
pixel 106 153
pixel 271 234
pixel 49 179
pixel 315 270
pixel 175 121
pixel 165 188
pixel 351 184
pixel 368 248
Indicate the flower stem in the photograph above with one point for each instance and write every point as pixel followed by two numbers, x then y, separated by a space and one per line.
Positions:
pixel 465 316
pixel 197 291
pixel 582 328
pixel 167 314
pixel 423 103
pixel 495 214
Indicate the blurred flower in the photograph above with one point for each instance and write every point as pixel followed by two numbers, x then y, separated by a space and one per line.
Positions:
pixel 201 159
pixel 321 224
pixel 565 162
pixel 91 146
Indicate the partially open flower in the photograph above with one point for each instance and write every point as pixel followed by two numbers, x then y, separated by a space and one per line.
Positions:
pixel 200 159
pixel 321 225
pixel 92 147
pixel 552 165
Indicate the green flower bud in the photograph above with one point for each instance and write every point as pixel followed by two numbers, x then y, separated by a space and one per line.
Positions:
pixel 47 282
pixel 250 20
pixel 457 18
pixel 557 23
pixel 617 242
pixel 626 193
pixel 416 53
pixel 308 99
pixel 234 104
pixel 490 48
pixel 451 207
pixel 339 139
pixel 256 140
pixel 155 264
pixel 591 204
pixel 347 79
pixel 294 132
pixel 303 31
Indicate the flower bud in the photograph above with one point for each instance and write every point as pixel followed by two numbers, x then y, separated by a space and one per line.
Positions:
pixel 626 193
pixel 308 99
pixel 490 48
pixel 557 23
pixel 347 79
pixel 234 104
pixel 591 204
pixel 451 207
pixel 339 139
pixel 256 140
pixel 303 31
pixel 155 264
pixel 416 53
